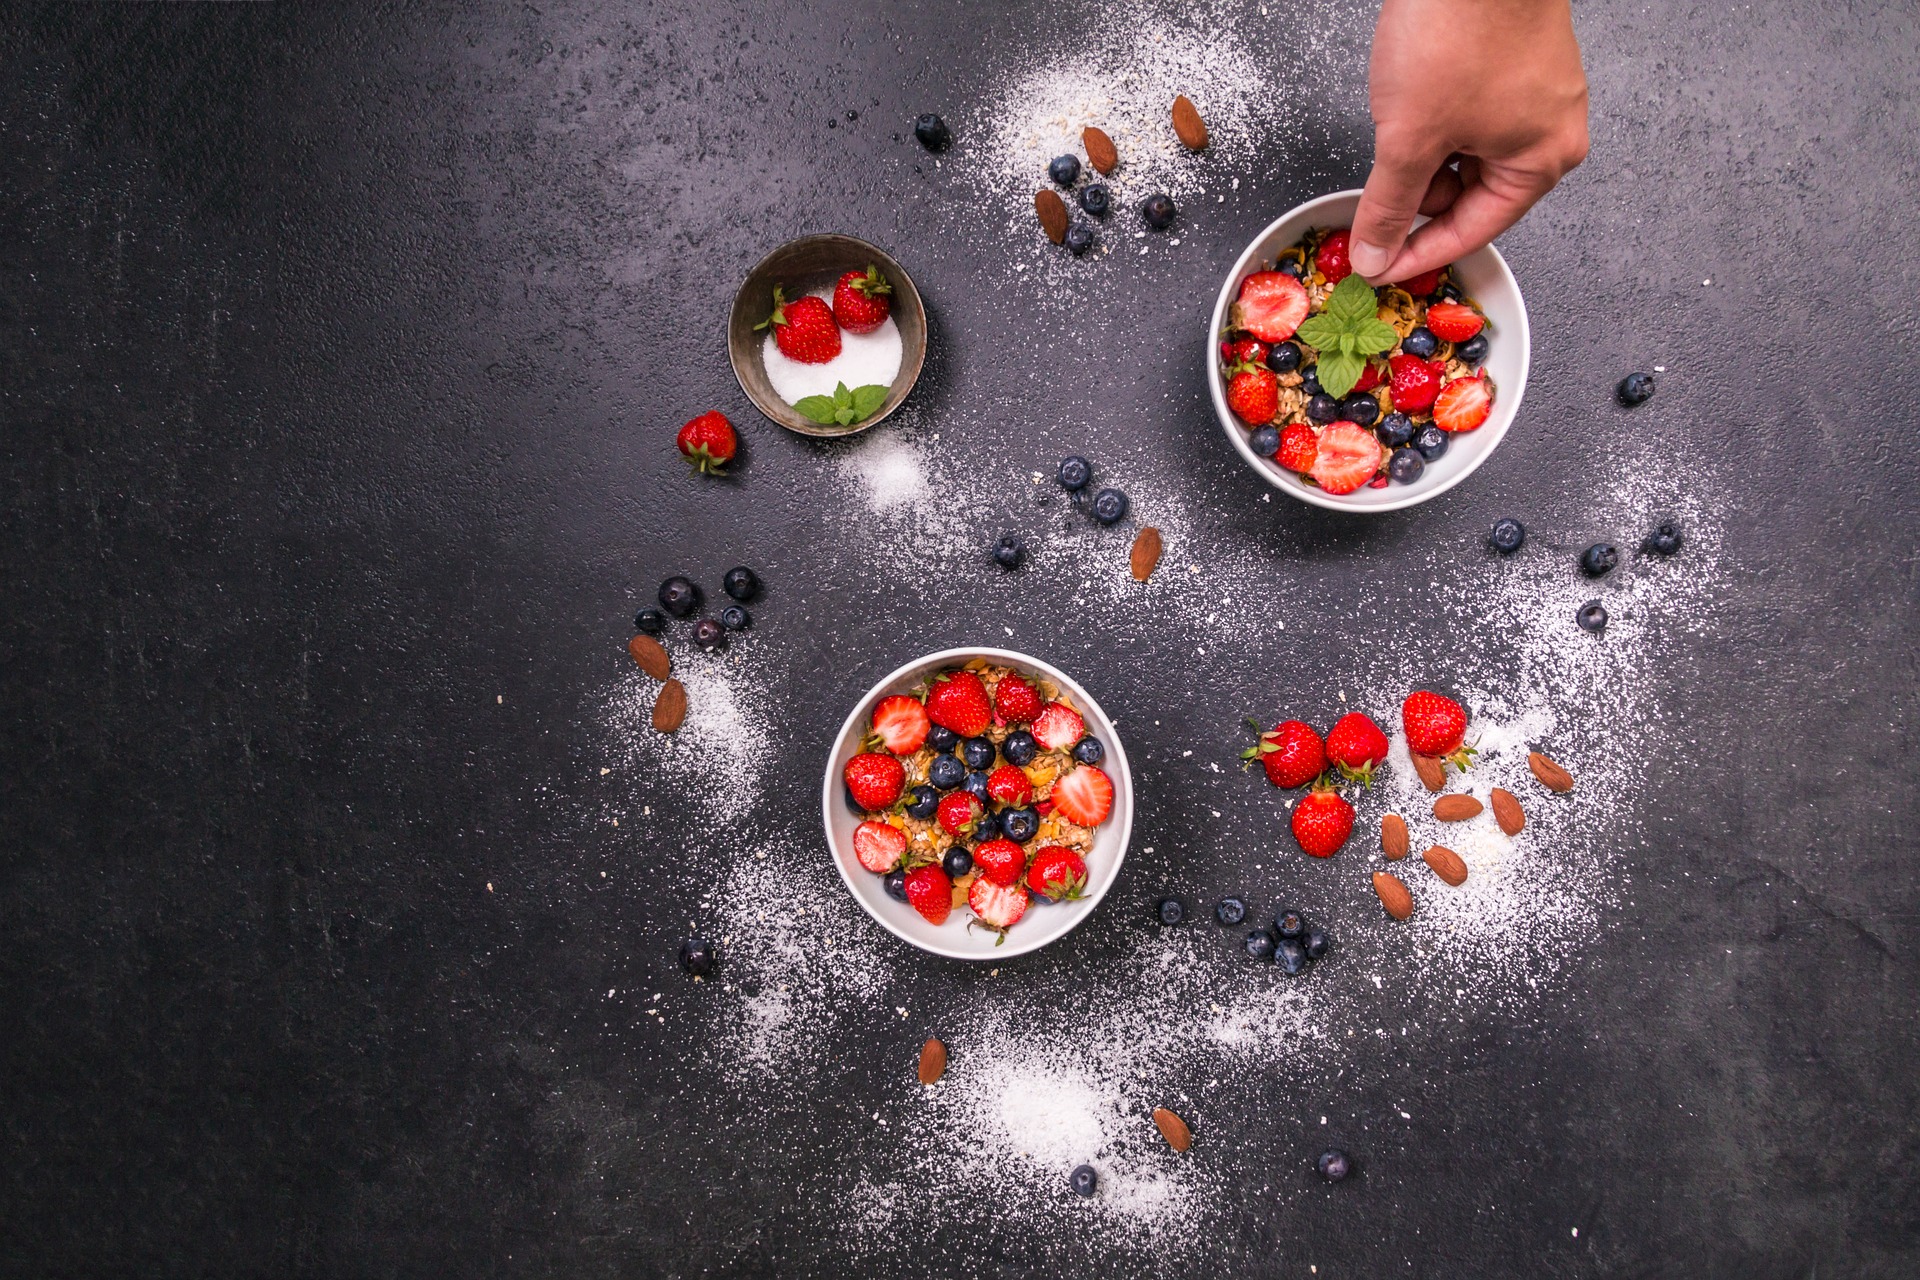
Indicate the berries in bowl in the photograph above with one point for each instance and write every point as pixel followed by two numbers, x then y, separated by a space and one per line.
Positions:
pixel 1358 395
pixel 978 803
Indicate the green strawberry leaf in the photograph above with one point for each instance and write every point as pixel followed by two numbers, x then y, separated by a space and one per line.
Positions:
pixel 1352 301
pixel 1319 331
pixel 842 398
pixel 1339 370
pixel 1376 336
pixel 869 398
pixel 819 408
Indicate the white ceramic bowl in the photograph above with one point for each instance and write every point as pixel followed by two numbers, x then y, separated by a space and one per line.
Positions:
pixel 1044 922
pixel 1485 278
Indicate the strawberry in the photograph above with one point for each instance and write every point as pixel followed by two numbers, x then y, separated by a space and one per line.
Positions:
pixel 708 442
pixel 1291 754
pixel 1370 376
pixel 1254 395
pixel 1058 727
pixel 1332 257
pixel 1058 874
pixel 1000 861
pixel 879 845
pixel 1015 701
pixel 1415 382
pixel 1356 746
pixel 958 812
pixel 1008 784
pixel 803 329
pixel 1299 446
pixel 1245 351
pixel 1464 403
pixel 1423 284
pixel 958 701
pixel 1435 726
pixel 860 300
pixel 1452 322
pixel 899 724
pixel 997 906
pixel 1272 304
pixel 1084 797
pixel 875 780
pixel 1349 455
pixel 930 893
pixel 1322 821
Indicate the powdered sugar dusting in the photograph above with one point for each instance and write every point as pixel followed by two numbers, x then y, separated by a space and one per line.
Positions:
pixel 725 735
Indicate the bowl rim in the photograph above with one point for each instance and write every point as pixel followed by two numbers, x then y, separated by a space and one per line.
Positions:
pixel 1506 409
pixel 1116 765
pixel 912 359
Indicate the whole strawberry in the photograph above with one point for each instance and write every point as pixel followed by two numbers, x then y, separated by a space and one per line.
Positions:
pixel 1253 393
pixel 1322 821
pixel 860 301
pixel 958 701
pixel 1332 256
pixel 1436 726
pixel 874 780
pixel 958 813
pixel 930 893
pixel 1000 861
pixel 1299 447
pixel 1009 785
pixel 1356 746
pixel 1292 753
pixel 803 329
pixel 1016 701
pixel 708 442
pixel 1058 874
pixel 1416 382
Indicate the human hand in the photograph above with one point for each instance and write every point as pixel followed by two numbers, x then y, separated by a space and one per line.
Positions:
pixel 1494 84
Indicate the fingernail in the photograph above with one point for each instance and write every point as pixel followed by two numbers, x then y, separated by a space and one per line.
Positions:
pixel 1368 259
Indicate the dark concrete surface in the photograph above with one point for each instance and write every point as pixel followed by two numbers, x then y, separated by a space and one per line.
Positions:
pixel 338 356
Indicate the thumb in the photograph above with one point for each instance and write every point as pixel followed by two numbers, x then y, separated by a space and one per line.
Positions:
pixel 1403 168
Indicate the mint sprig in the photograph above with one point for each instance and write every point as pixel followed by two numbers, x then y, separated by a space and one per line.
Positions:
pixel 1345 332
pixel 843 408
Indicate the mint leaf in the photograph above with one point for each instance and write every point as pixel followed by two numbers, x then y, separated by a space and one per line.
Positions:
pixel 845 417
pixel 1319 332
pixel 819 408
pixel 1352 301
pixel 868 399
pixel 1339 370
pixel 1376 336
pixel 1349 343
pixel 842 398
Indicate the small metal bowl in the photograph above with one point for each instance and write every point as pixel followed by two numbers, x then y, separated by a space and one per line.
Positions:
pixel 799 267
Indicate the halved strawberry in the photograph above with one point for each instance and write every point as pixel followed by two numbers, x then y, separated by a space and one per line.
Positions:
pixel 1299 445
pixel 1058 874
pixel 1001 860
pixel 1009 785
pixel 1464 403
pixel 1349 455
pixel 874 780
pixel 998 906
pixel 1423 284
pixel 1254 396
pixel 958 701
pixel 1084 797
pixel 958 812
pixel 1272 305
pixel 930 892
pixel 1014 700
pixel 1332 256
pixel 900 724
pixel 1415 382
pixel 1452 322
pixel 1058 727
pixel 879 845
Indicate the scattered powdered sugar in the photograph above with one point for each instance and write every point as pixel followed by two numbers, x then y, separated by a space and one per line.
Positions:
pixel 865 359
pixel 725 735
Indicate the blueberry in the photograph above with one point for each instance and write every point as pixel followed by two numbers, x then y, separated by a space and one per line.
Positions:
pixel 1260 945
pixel 1020 825
pixel 1291 957
pixel 1315 941
pixel 1323 408
pixel 1083 1180
pixel 1109 505
pixel 1333 1164
pixel 932 132
pixel 1406 466
pixel 1448 292
pixel 925 800
pixel 853 806
pixel 1009 551
pixel 1473 350
pixel 697 957
pixel 957 862
pixel 1360 408
pixel 977 783
pixel 1431 441
pixel 1079 239
pixel 942 739
pixel 740 583
pixel 1507 536
pixel 1394 430
pixel 977 752
pixel 735 618
pixel 1635 388
pixel 651 621
pixel 1665 540
pixel 1172 911
pixel 1159 211
pixel 679 597
pixel 1591 616
pixel 1020 748
pixel 1283 357
pixel 1089 751
pixel 1064 170
pixel 895 884
pixel 1229 911
pixel 1075 472
pixel 1422 342
pixel 1598 560
pixel 709 635
pixel 985 829
pixel 1310 380
pixel 946 773
pixel 1265 441
pixel 1095 199
pixel 1288 923
pixel 1292 267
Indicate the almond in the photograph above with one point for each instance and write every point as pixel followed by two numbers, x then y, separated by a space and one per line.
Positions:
pixel 1551 775
pixel 1187 123
pixel 1456 808
pixel 1146 553
pixel 670 708
pixel 1433 773
pixel 1053 214
pixel 933 1061
pixel 1173 1129
pixel 1393 894
pixel 651 656
pixel 1446 864
pixel 1507 812
pixel 1393 837
pixel 1100 150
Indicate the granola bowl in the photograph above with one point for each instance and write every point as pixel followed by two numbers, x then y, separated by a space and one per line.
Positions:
pixel 1482 277
pixel 963 936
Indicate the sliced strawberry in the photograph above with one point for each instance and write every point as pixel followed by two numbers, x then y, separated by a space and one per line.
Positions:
pixel 1058 727
pixel 1349 455
pixel 998 906
pixel 1332 257
pixel 1084 797
pixel 958 812
pixel 900 724
pixel 958 701
pixel 1254 396
pixel 879 845
pixel 930 893
pixel 1272 305
pixel 1423 284
pixel 1299 446
pixel 1058 874
pixel 1415 382
pixel 1452 322
pixel 1008 784
pixel 1464 403
pixel 1016 701
pixel 1000 861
